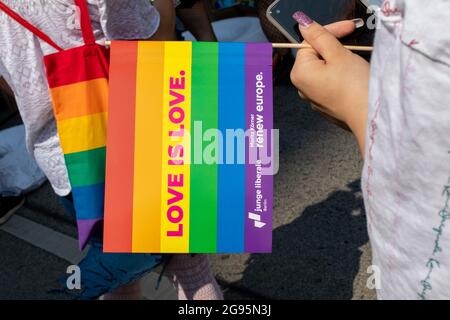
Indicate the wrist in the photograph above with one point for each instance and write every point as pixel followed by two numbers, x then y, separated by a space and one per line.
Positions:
pixel 356 120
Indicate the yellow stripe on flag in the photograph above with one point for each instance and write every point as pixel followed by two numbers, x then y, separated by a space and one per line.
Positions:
pixel 80 99
pixel 148 142
pixel 175 198
pixel 83 133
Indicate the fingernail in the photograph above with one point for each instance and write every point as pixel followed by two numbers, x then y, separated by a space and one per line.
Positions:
pixel 302 19
pixel 359 23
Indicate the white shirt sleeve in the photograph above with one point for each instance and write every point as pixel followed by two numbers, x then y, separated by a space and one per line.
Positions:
pixel 128 19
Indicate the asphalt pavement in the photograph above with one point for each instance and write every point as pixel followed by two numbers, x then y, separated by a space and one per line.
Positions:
pixel 320 249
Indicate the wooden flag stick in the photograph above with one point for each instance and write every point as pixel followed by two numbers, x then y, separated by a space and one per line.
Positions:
pixel 301 46
pixel 307 46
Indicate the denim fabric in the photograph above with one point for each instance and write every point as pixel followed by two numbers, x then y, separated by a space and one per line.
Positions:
pixel 103 272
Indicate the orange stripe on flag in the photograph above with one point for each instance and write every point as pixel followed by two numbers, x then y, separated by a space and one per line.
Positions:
pixel 80 99
pixel 148 143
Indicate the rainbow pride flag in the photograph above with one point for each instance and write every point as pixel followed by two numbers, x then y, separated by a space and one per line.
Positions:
pixel 189 148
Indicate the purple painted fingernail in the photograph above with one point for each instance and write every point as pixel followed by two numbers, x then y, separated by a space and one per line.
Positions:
pixel 302 19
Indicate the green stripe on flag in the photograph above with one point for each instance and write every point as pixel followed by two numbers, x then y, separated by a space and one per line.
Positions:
pixel 86 168
pixel 204 169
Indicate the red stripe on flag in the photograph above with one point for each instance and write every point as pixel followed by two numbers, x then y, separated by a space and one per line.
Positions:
pixel 120 148
pixel 90 65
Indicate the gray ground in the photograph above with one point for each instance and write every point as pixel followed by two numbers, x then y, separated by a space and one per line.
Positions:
pixel 320 250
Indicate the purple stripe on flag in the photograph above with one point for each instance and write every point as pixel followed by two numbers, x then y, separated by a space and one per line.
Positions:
pixel 259 123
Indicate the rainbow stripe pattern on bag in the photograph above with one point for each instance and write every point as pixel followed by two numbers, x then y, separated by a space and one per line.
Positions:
pixel 78 81
pixel 163 194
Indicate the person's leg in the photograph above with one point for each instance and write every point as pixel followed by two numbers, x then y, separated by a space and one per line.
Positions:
pixel 111 276
pixel 166 30
pixel 117 276
pixel 114 275
pixel 193 277
pixel 196 20
pixel 130 291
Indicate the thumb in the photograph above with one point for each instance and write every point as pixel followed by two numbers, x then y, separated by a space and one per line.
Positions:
pixel 343 28
pixel 318 37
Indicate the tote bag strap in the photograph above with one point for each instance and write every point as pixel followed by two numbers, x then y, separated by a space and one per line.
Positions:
pixel 85 21
pixel 38 33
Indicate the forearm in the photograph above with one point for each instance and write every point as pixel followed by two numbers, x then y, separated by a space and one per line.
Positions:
pixel 8 94
pixel 355 102
pixel 196 20
pixel 166 30
pixel 357 122
pixel 5 88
